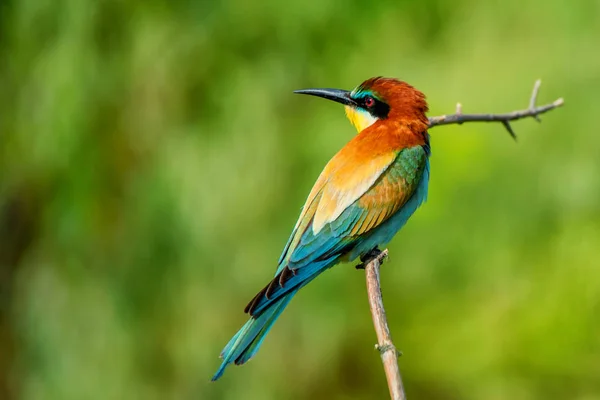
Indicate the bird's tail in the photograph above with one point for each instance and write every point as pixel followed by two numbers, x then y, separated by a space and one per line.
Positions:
pixel 246 342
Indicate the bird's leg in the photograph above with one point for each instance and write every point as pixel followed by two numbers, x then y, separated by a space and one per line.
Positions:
pixel 368 257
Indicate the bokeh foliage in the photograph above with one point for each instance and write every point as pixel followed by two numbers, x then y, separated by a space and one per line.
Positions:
pixel 153 161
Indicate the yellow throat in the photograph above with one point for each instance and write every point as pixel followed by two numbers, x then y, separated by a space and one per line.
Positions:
pixel 361 119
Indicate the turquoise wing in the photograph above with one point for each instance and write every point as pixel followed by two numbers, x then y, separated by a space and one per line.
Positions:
pixel 308 253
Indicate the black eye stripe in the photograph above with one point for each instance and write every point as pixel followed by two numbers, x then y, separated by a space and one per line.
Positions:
pixel 378 108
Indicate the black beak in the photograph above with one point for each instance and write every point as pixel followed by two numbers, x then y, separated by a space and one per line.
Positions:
pixel 341 96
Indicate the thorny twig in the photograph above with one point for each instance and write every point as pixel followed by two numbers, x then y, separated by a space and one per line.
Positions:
pixel 532 111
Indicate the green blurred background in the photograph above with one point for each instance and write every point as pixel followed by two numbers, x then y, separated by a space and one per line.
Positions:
pixel 153 161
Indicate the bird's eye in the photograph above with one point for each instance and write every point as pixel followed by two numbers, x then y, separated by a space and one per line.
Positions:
pixel 369 101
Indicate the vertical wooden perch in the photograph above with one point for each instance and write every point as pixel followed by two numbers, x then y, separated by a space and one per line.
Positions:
pixel 385 346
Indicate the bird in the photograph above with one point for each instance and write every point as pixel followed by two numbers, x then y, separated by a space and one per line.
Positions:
pixel 362 198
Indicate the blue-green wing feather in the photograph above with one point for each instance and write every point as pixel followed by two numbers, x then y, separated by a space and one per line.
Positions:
pixel 313 253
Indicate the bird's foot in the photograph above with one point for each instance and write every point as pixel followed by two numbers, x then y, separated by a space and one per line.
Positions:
pixel 368 257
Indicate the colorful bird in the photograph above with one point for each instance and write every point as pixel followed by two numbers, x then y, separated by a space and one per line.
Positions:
pixel 365 194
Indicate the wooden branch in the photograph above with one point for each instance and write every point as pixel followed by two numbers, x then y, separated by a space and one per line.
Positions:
pixel 373 261
pixel 532 111
pixel 389 354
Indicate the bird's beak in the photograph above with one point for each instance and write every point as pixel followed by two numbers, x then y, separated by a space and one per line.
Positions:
pixel 341 96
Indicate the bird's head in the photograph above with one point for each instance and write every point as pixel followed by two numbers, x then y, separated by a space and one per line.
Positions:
pixel 378 99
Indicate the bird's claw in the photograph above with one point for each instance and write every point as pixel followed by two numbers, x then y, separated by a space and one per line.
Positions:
pixel 368 257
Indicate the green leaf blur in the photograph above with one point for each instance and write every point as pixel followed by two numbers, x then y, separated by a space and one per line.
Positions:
pixel 153 160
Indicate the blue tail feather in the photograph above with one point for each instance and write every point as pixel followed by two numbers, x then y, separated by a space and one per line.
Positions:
pixel 253 348
pixel 246 342
pixel 232 341
pixel 302 276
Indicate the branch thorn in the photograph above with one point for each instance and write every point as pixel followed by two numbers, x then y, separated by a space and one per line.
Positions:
pixel 509 129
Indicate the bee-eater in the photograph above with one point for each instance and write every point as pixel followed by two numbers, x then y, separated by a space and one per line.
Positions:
pixel 365 194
